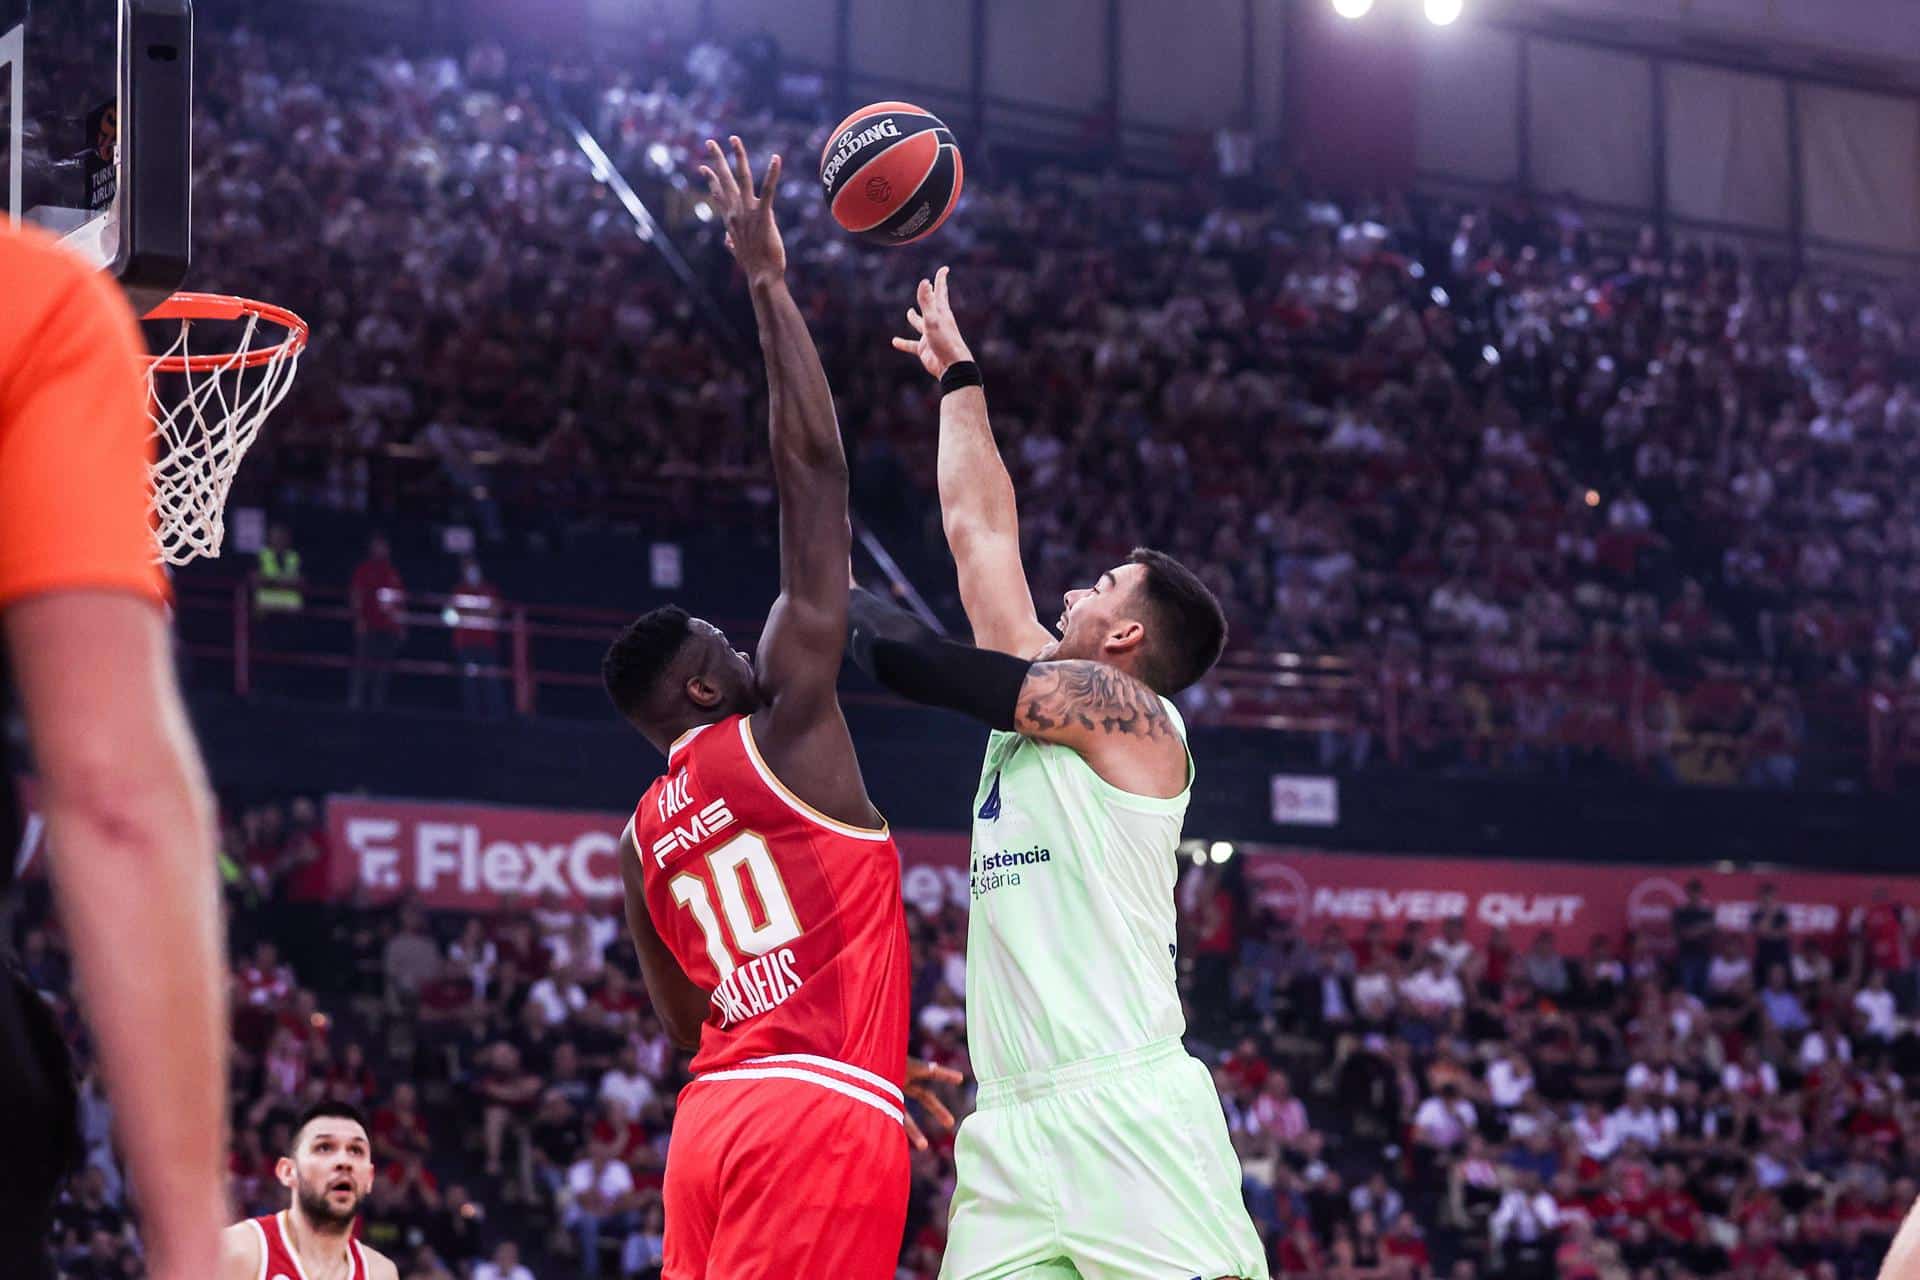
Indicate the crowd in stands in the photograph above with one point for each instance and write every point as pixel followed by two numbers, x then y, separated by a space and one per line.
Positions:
pixel 1568 504
pixel 1712 1097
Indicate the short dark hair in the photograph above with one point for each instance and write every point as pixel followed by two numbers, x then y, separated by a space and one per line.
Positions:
pixel 326 1109
pixel 641 654
pixel 1188 630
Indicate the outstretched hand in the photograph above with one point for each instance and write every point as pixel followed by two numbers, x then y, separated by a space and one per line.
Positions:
pixel 920 1079
pixel 939 346
pixel 753 236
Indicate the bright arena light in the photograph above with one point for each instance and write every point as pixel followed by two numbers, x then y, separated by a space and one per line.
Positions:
pixel 1444 12
pixel 1352 8
pixel 1220 851
pixel 660 157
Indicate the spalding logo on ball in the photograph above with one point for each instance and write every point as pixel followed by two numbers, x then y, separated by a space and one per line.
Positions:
pixel 892 173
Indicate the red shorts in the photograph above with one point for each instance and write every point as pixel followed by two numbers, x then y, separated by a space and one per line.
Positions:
pixel 773 1177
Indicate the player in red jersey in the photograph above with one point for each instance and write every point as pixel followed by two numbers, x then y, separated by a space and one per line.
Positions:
pixel 330 1172
pixel 762 888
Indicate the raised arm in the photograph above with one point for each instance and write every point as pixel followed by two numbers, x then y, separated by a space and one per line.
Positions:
pixel 679 1001
pixel 800 731
pixel 976 494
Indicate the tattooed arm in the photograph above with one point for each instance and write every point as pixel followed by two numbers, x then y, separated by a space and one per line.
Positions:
pixel 1114 721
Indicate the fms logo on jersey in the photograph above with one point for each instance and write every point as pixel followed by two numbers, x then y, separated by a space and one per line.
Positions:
pixel 1001 870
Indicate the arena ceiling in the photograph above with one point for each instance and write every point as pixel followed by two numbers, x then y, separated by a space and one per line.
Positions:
pixel 1837 38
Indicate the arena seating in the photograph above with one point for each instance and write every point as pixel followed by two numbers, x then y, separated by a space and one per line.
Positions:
pixel 1541 501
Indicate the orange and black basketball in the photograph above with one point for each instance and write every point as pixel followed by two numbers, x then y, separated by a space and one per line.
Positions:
pixel 892 173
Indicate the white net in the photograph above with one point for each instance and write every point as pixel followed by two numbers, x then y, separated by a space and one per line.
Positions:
pixel 207 412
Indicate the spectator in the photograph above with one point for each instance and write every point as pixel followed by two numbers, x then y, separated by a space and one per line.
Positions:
pixel 1281 1115
pixel 476 955
pixel 378 597
pixel 558 996
pixel 565 1078
pixel 1444 1120
pixel 1874 1006
pixel 1522 1229
pixel 1544 967
pixel 1509 1080
pixel 478 616
pixel 1730 972
pixel 1638 1120
pixel 1693 940
pixel 1455 952
pixel 1781 1003
pixel 553 1136
pixel 399 1128
pixel 601 1205
pixel 503 1264
pixel 1773 939
pixel 411 960
pixel 508 1093
pixel 626 1086
pixel 645 1251
pixel 277 590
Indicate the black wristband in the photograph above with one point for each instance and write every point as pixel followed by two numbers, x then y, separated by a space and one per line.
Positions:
pixel 962 373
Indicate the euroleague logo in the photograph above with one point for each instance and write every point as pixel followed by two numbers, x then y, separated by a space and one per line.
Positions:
pixel 879 190
pixel 1652 902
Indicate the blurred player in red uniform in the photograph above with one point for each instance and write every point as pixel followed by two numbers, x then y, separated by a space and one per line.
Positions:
pixel 763 889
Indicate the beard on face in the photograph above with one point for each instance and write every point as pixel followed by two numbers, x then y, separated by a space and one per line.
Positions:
pixel 318 1206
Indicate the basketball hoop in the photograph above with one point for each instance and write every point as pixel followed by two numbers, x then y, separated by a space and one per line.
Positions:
pixel 207 411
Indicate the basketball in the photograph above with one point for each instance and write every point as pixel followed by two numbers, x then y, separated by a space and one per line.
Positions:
pixel 892 173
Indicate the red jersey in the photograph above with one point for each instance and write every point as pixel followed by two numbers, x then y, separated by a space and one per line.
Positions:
pixel 276 1258
pixel 793 920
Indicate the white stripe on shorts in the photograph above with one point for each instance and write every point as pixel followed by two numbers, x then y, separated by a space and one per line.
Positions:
pixel 811 1077
pixel 831 1064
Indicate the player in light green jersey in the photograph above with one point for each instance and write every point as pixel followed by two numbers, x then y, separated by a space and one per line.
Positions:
pixel 1098 1148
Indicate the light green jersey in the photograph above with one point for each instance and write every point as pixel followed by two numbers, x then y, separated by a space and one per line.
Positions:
pixel 1070 945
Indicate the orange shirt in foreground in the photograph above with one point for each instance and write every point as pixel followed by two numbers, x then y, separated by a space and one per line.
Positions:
pixel 75 437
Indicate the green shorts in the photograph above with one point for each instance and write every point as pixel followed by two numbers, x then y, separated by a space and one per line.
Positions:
pixel 1111 1168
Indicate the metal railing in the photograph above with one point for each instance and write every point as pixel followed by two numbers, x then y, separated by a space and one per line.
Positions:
pixel 1485 719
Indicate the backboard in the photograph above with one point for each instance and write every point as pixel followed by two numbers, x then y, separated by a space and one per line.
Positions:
pixel 96 100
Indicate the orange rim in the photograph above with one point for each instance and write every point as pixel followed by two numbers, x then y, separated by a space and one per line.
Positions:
pixel 219 306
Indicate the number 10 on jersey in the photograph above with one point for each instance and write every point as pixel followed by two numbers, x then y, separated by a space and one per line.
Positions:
pixel 741 859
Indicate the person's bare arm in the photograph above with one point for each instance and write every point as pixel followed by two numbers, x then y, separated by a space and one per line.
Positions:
pixel 801 730
pixel 130 834
pixel 379 1265
pixel 977 506
pixel 239 1253
pixel 679 1001
pixel 1903 1255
